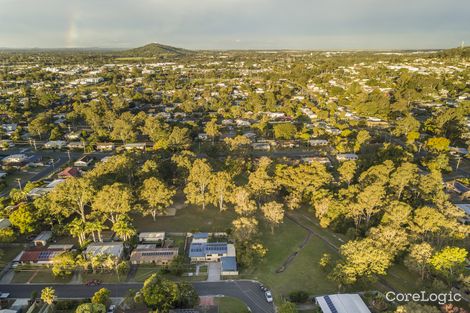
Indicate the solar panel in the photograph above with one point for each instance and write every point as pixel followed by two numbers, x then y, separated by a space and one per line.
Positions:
pixel 330 304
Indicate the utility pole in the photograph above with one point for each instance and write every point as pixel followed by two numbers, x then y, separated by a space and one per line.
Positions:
pixel 458 162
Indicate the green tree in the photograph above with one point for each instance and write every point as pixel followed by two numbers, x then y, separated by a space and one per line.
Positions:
pixel 438 144
pixel 221 188
pixel 450 262
pixel 24 219
pixel 72 196
pixel 284 131
pixel 405 175
pixel 91 308
pixel 113 201
pixel 347 170
pixel 159 293
pixel 244 228
pixel 48 295
pixel 123 228
pixel 287 307
pixel 101 296
pixel 212 129
pixel 200 176
pixel 274 213
pixel 63 264
pixel 362 137
pixel 157 197
pixel 260 182
pixel 419 258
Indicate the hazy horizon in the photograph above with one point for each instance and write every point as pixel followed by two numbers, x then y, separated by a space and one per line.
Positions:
pixel 235 24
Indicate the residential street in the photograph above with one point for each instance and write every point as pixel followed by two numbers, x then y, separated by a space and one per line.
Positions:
pixel 247 291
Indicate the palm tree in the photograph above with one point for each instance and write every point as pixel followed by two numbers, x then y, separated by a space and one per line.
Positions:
pixel 95 226
pixel 48 295
pixel 123 229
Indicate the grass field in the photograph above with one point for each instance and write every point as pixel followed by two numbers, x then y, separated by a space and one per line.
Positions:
pixel 189 218
pixel 231 305
pixel 303 273
pixel 8 254
pixel 36 274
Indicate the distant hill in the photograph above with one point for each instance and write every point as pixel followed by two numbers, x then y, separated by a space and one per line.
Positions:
pixel 154 50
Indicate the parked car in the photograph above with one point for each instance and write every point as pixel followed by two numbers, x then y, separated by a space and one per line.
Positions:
pixel 269 296
pixel 111 308
pixel 93 282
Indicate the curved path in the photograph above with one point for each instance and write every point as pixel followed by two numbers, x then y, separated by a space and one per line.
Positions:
pixel 245 290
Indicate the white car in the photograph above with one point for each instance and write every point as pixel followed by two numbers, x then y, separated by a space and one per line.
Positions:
pixel 111 308
pixel 269 296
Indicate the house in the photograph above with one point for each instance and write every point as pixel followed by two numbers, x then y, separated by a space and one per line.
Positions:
pixel 37 192
pixel 457 186
pixel 152 237
pixel 318 142
pixel 261 146
pixel 75 145
pixel 72 136
pixel 465 208
pixel 242 123
pixel 115 249
pixel 210 251
pixel 135 146
pixel 55 144
pixel 346 157
pixel 146 254
pixel 15 160
pixel 342 303
pixel 41 255
pixel 42 239
pixel 202 136
pixel 69 172
pixel 4 223
pixel 200 237
pixel 321 160
pixel 84 161
pixel 105 146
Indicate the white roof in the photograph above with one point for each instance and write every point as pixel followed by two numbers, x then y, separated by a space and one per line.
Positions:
pixel 111 248
pixel 342 303
pixel 231 250
pixel 4 223
pixel 152 236
pixel 464 206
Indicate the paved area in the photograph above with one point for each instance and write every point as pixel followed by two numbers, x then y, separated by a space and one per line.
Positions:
pixel 213 271
pixel 247 291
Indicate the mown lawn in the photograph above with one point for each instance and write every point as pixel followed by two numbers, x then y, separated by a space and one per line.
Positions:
pixel 231 305
pixel 188 219
pixel 303 273
pixel 9 253
pixel 37 274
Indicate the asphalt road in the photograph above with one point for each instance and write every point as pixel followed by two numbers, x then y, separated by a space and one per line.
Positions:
pixel 247 291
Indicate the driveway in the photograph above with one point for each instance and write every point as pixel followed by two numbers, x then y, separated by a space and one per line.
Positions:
pixel 213 271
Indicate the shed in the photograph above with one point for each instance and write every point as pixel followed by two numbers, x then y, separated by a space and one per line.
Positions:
pixel 43 238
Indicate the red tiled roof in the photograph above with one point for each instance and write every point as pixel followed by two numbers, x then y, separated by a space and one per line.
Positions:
pixel 69 172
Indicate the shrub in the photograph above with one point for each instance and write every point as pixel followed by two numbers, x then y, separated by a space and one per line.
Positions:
pixel 298 296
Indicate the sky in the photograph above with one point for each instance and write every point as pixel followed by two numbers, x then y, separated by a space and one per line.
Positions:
pixel 235 24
